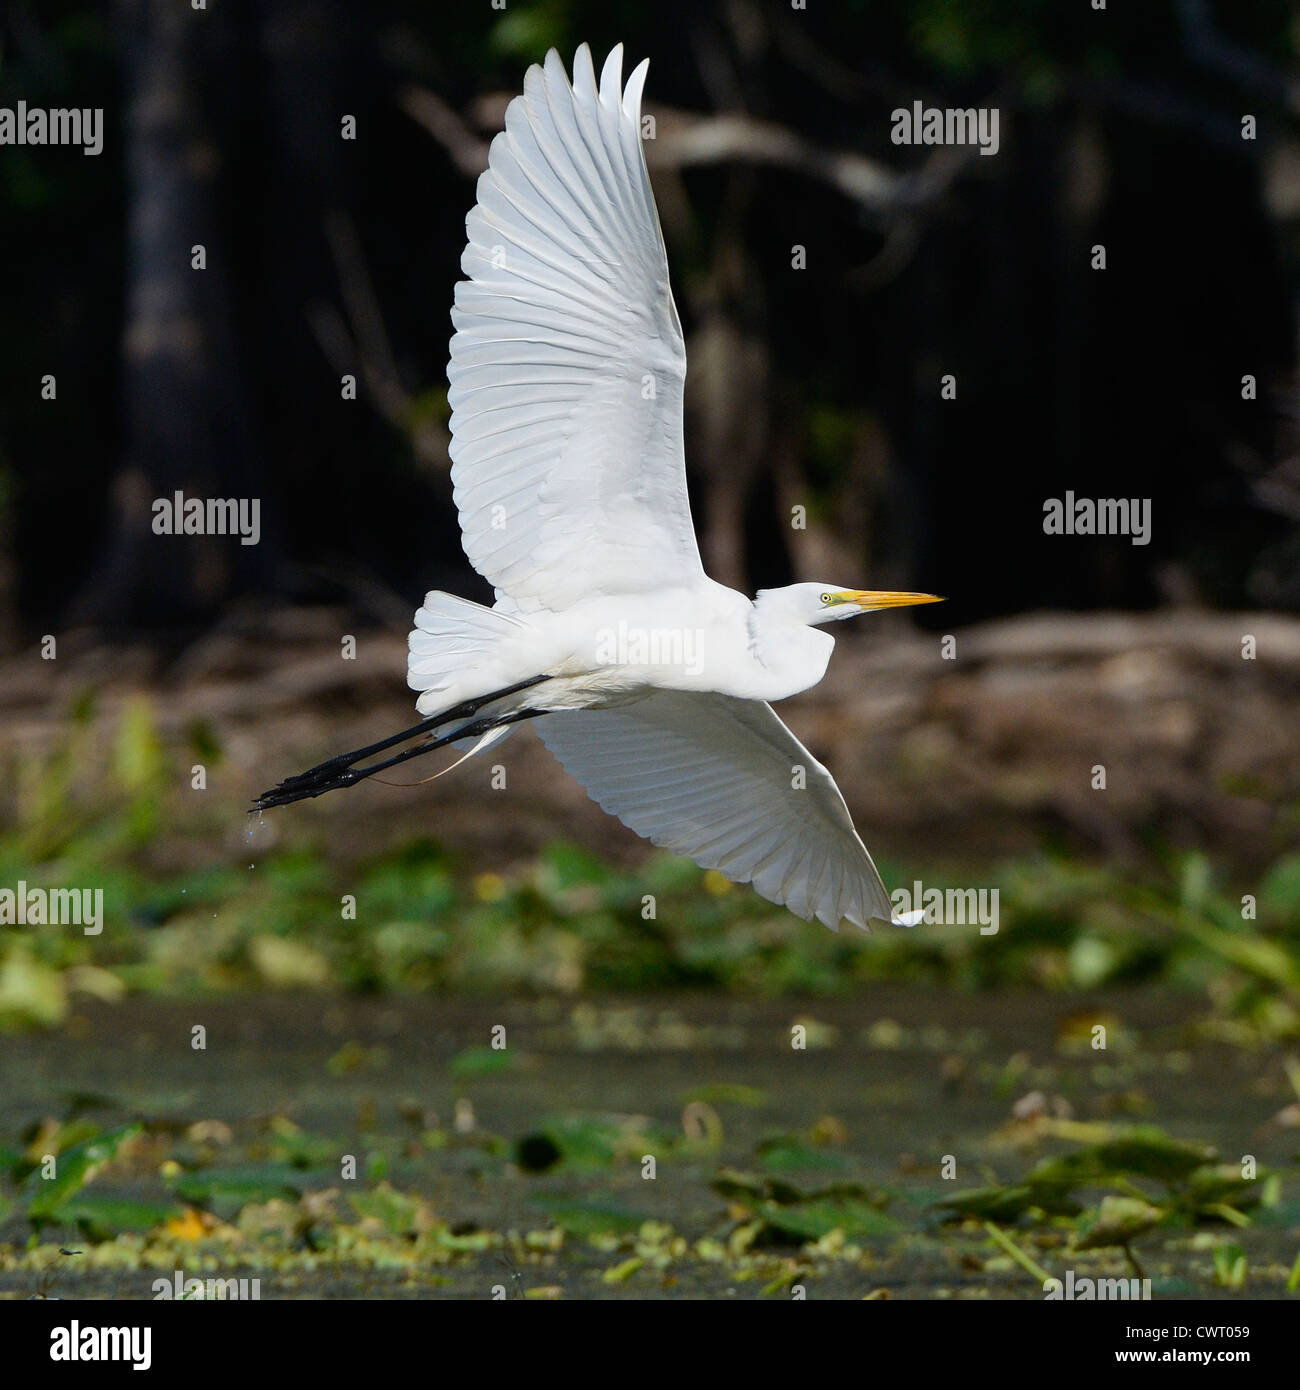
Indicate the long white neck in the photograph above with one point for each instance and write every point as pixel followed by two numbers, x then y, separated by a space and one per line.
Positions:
pixel 790 656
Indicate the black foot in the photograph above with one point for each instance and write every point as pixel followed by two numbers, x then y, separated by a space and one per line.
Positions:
pixel 340 771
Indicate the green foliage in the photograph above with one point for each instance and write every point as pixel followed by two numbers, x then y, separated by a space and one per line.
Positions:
pixel 1230 1266
pixel 587 1219
pixel 1146 1180
pixel 266 1194
pixel 479 1061
pixel 62 1199
pixel 1118 1221
pixel 103 813
pixel 586 1142
pixel 780 1213
pixel 1145 1152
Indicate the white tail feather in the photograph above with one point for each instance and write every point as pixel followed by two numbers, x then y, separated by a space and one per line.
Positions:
pixel 451 636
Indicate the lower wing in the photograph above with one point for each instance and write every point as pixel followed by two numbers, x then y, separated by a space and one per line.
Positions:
pixel 719 780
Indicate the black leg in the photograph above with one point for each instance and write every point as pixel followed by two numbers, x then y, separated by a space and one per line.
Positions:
pixel 288 791
pixel 327 775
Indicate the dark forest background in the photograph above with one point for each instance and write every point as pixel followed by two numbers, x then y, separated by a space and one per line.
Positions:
pixel 1120 127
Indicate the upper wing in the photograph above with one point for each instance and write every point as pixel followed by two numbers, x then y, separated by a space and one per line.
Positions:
pixel 567 365
pixel 716 779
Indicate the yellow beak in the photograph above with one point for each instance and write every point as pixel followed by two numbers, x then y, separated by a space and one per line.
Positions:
pixel 869 600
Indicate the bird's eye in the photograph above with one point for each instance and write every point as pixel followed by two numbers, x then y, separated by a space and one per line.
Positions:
pixel 826 598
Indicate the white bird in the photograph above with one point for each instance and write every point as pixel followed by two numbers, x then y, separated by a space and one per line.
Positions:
pixel 647 680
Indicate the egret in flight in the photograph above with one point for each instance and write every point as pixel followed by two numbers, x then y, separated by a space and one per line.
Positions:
pixel 649 682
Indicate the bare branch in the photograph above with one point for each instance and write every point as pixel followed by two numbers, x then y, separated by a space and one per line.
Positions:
pixel 363 341
pixel 468 152
pixel 684 139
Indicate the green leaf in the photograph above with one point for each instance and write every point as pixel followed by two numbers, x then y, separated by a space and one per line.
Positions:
pixel 596 1141
pixel 138 755
pixel 12 1160
pixel 747 1189
pixel 400 1213
pixel 787 1153
pixel 824 1212
pixel 1145 1151
pixel 789 1214
pixel 226 1191
pixel 621 1273
pixel 1223 1185
pixel 1008 1204
pixel 479 1061
pixel 74 1168
pixel 1279 892
pixel 298 1148
pixel 31 992
pixel 567 866
pixel 102 1218
pixel 1229 1266
pixel 1119 1220
pixel 589 1218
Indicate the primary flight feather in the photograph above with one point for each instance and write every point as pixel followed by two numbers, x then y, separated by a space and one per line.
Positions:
pixel 647 680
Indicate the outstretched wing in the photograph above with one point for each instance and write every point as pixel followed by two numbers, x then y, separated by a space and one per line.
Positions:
pixel 717 779
pixel 567 365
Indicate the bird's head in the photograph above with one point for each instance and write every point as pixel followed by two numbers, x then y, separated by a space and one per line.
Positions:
pixel 815 604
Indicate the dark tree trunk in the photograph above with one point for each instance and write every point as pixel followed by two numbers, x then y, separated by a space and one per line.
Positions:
pixel 185 400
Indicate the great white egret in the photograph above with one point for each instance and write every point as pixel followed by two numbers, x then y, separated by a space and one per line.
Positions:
pixel 647 680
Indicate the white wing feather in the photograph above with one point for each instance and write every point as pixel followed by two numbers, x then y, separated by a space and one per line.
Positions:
pixel 567 365
pixel 713 778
